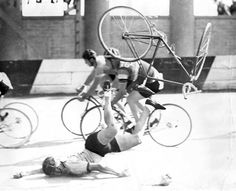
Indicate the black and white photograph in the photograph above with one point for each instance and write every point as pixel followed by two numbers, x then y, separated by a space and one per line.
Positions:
pixel 121 95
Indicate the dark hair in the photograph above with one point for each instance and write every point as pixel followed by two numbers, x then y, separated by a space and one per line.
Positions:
pixel 88 54
pixel 48 166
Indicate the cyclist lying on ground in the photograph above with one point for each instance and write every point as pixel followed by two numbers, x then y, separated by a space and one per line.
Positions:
pixel 131 74
pixel 97 145
pixel 102 71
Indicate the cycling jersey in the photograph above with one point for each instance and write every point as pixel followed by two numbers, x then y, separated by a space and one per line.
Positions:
pixel 103 67
pixel 135 73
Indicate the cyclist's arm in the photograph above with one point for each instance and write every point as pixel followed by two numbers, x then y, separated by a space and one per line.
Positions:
pixel 87 82
pixel 90 78
pixel 98 74
pixel 94 85
pixel 106 170
pixel 28 173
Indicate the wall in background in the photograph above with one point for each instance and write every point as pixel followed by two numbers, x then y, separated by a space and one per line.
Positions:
pixel 62 76
pixel 54 37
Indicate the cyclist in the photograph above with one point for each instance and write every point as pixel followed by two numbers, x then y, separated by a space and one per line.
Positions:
pixel 131 75
pixel 97 146
pixel 102 71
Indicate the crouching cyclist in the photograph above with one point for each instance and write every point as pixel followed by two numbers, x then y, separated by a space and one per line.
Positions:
pixel 101 72
pixel 131 76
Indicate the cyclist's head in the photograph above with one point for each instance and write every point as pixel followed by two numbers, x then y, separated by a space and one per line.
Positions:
pixel 53 167
pixel 111 53
pixel 88 54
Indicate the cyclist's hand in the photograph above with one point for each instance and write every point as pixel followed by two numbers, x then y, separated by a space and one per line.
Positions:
pixel 18 175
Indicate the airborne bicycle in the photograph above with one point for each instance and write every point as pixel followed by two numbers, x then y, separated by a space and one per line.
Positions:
pixel 134 35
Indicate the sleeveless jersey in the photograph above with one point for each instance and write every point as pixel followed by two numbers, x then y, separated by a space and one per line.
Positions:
pixel 103 67
pixel 135 71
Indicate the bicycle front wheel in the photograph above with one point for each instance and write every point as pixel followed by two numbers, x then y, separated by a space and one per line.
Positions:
pixel 15 128
pixel 27 109
pixel 127 30
pixel 202 52
pixel 93 120
pixel 170 127
pixel 72 112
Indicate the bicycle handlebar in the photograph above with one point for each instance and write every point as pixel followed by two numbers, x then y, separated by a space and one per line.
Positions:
pixel 188 88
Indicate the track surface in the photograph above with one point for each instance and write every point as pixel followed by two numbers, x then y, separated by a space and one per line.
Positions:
pixel 206 161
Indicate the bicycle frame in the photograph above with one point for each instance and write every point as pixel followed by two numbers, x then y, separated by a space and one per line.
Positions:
pixel 186 87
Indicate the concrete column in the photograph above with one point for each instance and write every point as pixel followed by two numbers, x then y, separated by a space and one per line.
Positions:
pixel 93 11
pixel 182 26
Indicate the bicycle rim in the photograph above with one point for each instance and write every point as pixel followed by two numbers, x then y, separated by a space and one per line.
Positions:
pixel 202 51
pixel 121 20
pixel 170 127
pixel 72 112
pixel 91 121
pixel 27 109
pixel 15 128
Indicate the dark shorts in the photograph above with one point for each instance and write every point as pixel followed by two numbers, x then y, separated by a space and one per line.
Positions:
pixel 152 86
pixel 112 76
pixel 92 144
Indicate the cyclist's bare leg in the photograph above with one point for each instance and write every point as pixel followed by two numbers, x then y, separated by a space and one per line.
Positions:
pixel 135 105
pixel 107 134
pixel 127 140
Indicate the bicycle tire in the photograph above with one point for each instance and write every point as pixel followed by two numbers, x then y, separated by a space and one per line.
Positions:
pixel 95 115
pixel 72 112
pixel 202 52
pixel 29 110
pixel 15 128
pixel 173 127
pixel 131 49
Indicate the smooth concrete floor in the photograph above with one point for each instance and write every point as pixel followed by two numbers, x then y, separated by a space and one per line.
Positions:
pixel 206 161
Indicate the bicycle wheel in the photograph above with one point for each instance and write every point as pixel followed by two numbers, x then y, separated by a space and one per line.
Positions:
pixel 27 109
pixel 93 120
pixel 15 128
pixel 170 127
pixel 127 30
pixel 202 52
pixel 72 112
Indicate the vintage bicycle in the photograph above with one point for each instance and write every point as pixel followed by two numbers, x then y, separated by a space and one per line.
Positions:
pixel 18 121
pixel 170 127
pixel 134 35
pixel 73 112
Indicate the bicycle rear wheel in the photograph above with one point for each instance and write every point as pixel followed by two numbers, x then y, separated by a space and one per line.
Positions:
pixel 72 112
pixel 202 52
pixel 170 127
pixel 27 109
pixel 127 30
pixel 15 128
pixel 93 120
